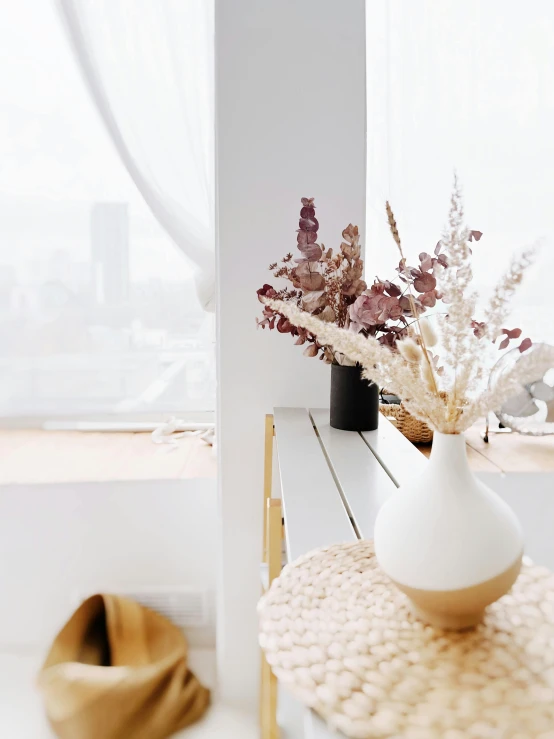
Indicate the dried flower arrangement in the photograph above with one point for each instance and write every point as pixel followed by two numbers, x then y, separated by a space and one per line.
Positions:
pixel 330 286
pixel 451 397
pixel 324 284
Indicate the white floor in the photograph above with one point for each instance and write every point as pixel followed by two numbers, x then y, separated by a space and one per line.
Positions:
pixel 22 717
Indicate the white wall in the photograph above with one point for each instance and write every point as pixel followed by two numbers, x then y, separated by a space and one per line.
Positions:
pixel 58 541
pixel 290 101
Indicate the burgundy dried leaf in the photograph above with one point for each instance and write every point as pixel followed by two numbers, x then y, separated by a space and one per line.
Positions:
pixel 425 283
pixel 313 300
pixel 312 281
pixel 525 344
pixel 414 272
pixel 265 292
pixel 404 302
pixel 429 299
pixel 354 272
pixel 308 278
pixel 427 263
pixel 390 308
pixel 513 333
pixel 310 253
pixel 300 340
pixel 309 202
pixel 327 314
pixel 306 237
pixel 308 224
pixel 479 328
pixel 356 287
pixel 361 287
pixel 307 212
pixel 504 343
pixel 327 355
pixel 475 235
pixel 392 289
pixel 284 326
pixel 438 248
pixel 363 312
pixel 443 260
pixel 395 312
pixel 350 233
pixel 310 351
pixel 387 339
pixel 350 251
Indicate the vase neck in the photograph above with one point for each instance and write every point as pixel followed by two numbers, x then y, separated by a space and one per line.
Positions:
pixel 449 454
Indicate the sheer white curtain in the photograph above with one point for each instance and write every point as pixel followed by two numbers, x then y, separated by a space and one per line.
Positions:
pixel 148 65
pixel 465 85
pixel 99 314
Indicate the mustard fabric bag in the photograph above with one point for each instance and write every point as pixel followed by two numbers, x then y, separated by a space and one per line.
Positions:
pixel 118 670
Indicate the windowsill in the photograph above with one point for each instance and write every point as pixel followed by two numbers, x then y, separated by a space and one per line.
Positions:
pixel 35 456
pixel 510 452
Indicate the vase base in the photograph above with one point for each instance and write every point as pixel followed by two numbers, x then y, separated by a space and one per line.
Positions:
pixel 461 609
pixel 448 621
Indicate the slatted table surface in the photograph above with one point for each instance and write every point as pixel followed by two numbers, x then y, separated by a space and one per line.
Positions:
pixel 334 482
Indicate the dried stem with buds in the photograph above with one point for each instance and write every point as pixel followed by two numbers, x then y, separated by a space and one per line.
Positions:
pixel 427 373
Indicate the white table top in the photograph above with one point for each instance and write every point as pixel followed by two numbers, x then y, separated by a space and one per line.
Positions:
pixel 334 482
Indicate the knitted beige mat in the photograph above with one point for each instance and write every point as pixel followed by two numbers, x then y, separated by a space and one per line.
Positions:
pixel 342 638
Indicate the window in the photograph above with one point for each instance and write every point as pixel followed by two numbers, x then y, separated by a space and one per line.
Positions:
pixel 466 85
pixel 98 310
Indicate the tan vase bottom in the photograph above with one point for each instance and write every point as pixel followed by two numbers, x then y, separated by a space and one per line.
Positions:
pixel 460 609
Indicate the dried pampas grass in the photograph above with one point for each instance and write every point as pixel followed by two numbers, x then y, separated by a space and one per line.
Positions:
pixel 428 333
pixel 410 350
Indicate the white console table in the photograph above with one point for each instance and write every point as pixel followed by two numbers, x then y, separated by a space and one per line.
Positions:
pixel 332 485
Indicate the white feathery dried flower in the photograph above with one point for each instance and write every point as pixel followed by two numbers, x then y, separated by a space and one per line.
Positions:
pixel 428 333
pixel 427 375
pixel 410 350
pixel 499 303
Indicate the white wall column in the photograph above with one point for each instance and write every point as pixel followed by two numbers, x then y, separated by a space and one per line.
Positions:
pixel 290 118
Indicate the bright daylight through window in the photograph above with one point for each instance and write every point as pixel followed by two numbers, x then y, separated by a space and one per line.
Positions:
pixel 467 85
pixel 99 311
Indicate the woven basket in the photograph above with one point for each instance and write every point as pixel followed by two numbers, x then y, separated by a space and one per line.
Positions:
pixel 416 431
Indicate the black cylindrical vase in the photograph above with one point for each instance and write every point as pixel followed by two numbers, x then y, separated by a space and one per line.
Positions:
pixel 354 400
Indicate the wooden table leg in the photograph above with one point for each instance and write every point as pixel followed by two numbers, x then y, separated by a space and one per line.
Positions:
pixel 272 537
pixel 268 474
pixel 270 729
pixel 268 479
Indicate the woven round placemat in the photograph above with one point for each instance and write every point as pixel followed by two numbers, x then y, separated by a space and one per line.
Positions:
pixel 342 638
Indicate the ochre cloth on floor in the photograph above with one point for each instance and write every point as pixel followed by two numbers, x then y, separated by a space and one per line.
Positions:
pixel 118 670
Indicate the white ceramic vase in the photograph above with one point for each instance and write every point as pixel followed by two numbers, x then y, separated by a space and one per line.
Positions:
pixel 448 541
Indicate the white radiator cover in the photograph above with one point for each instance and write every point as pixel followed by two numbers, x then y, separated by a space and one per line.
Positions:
pixel 187 608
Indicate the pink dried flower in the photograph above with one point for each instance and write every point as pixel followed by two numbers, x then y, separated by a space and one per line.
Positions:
pixel 363 313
